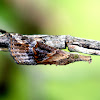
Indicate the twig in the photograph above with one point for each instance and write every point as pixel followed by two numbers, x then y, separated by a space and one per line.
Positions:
pixel 45 49
pixel 75 48
pixel 81 42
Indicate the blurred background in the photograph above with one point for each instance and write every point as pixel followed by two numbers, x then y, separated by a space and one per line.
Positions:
pixel 77 81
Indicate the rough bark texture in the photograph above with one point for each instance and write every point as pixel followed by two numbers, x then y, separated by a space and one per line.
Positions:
pixel 81 42
pixel 75 48
pixel 83 45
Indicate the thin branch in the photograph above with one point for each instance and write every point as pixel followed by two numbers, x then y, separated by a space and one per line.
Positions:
pixel 45 49
pixel 81 42
pixel 75 48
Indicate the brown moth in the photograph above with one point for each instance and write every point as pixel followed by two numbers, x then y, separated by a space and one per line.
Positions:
pixel 29 50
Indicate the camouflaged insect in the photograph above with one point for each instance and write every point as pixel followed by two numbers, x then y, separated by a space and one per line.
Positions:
pixel 27 50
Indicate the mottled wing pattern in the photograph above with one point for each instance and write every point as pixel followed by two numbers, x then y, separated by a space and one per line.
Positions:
pixel 20 50
pixel 45 54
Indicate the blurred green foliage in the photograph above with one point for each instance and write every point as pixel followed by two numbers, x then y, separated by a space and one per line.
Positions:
pixel 77 81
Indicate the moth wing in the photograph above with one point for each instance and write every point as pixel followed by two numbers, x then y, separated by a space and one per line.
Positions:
pixel 49 55
pixel 20 51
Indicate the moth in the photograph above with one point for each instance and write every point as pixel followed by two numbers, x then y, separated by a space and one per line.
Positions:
pixel 38 49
